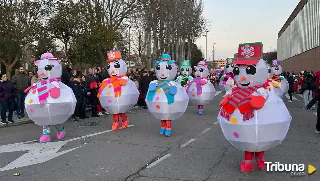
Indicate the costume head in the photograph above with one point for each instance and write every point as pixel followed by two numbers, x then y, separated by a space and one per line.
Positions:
pixel 166 70
pixel 201 70
pixel 185 68
pixel 276 68
pixel 250 69
pixel 116 66
pixel 48 66
pixel 229 65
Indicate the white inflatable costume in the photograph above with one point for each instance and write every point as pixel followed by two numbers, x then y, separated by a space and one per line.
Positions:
pixel 200 90
pixel 251 119
pixel 166 99
pixel 49 101
pixel 118 94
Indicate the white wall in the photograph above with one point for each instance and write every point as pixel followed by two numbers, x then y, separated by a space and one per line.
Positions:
pixel 302 34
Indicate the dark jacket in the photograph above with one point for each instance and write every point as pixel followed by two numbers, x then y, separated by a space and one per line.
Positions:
pixel 89 78
pixel 144 84
pixel 313 102
pixel 66 76
pixel 7 91
pixel 98 77
pixel 84 88
pixel 76 88
pixel 291 82
pixel 20 82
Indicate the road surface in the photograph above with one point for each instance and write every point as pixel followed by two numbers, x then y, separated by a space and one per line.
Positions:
pixel 196 151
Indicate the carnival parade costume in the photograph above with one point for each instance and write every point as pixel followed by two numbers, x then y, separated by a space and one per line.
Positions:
pixel 277 84
pixel 185 73
pixel 49 101
pixel 245 117
pixel 166 99
pixel 227 80
pixel 200 90
pixel 118 94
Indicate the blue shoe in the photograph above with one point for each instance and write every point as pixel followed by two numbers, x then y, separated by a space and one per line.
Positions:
pixel 168 132
pixel 162 130
pixel 200 111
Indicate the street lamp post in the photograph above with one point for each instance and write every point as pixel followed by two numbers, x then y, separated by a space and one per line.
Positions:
pixel 206 44
pixel 213 52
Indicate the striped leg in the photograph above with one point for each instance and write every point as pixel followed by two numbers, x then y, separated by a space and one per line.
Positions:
pixel 163 127
pixel 168 128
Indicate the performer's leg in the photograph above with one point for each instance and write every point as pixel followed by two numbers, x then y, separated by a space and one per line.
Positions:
pixel 168 128
pixel 200 109
pixel 115 124
pixel 45 137
pixel 247 164
pixel 260 160
pixel 61 133
pixel 125 121
pixel 163 127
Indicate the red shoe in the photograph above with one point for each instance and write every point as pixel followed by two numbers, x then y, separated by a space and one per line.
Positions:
pixel 115 126
pixel 125 124
pixel 247 166
pixel 260 162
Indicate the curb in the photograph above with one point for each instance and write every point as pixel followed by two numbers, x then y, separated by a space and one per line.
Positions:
pixel 17 123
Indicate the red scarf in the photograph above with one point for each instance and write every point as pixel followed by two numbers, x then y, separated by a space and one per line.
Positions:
pixel 240 98
pixel 276 78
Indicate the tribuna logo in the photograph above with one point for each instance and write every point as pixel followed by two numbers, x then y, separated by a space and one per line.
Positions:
pixel 294 169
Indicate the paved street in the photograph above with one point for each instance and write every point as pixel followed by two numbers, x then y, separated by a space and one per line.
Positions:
pixel 197 150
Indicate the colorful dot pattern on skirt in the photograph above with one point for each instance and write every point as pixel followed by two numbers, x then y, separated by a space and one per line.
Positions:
pixel 234 120
pixel 157 98
pixel 157 106
pixel 193 95
pixel 31 101
pixel 108 93
pixel 31 110
pixel 109 86
pixel 236 134
pixel 109 101
pixel 158 91
pixel 34 91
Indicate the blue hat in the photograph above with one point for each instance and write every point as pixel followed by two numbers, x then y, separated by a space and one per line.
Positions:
pixel 165 57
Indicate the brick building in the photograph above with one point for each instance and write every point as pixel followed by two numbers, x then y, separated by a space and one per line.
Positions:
pixel 299 38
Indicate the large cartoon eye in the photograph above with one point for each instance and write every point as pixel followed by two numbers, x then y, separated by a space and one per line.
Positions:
pixel 182 69
pixel 236 71
pixel 168 67
pixel 227 66
pixel 232 65
pixel 48 67
pixel 116 64
pixel 187 69
pixel 251 70
pixel 201 69
pixel 158 67
pixel 108 65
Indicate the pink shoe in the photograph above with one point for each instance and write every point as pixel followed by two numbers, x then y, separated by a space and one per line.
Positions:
pixel 61 134
pixel 45 138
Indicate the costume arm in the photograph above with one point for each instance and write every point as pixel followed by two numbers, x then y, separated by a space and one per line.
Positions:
pixel 173 87
pixel 123 80
pixel 153 85
pixel 262 92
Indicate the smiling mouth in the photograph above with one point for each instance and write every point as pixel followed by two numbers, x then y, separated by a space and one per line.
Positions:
pixel 113 74
pixel 45 78
pixel 245 84
pixel 163 77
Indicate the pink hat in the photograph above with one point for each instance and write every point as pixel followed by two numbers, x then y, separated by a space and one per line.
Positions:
pixel 202 63
pixel 48 55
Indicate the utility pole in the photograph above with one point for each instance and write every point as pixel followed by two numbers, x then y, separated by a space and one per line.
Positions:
pixel 213 52
pixel 206 44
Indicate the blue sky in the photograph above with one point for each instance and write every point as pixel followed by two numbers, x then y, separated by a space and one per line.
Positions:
pixel 239 21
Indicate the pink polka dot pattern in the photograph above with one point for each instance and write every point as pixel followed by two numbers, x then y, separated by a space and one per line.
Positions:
pixel 157 98
pixel 31 110
pixel 109 101
pixel 236 134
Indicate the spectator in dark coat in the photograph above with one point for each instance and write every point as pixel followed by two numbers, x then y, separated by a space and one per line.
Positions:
pixel 85 93
pixel 144 82
pixel 7 98
pixel 20 82
pixel 310 105
pixel 66 75
pixel 76 88
pixel 89 76
pixel 290 80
